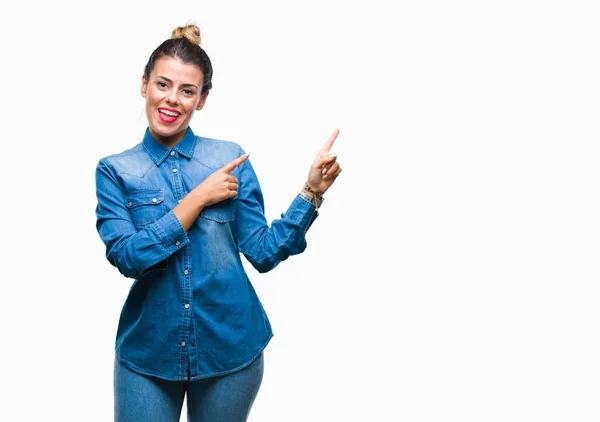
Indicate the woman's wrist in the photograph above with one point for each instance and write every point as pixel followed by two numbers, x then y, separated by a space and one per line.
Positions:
pixel 311 195
pixel 308 187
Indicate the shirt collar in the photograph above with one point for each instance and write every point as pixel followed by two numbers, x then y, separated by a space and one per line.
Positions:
pixel 158 152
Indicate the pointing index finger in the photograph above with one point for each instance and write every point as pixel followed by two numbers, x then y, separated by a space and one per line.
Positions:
pixel 331 140
pixel 234 163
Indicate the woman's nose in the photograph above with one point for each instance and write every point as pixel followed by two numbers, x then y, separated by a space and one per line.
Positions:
pixel 172 98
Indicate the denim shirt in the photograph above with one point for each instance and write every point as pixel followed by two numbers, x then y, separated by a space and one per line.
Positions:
pixel 191 312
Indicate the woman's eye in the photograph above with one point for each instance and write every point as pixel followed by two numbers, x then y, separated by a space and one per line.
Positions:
pixel 161 84
pixel 188 92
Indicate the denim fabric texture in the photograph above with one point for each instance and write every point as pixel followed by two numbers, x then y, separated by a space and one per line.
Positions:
pixel 191 312
pixel 228 398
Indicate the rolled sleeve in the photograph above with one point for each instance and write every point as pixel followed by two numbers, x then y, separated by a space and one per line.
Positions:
pixel 302 213
pixel 170 232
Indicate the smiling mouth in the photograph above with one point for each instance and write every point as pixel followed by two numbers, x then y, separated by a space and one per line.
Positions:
pixel 169 112
pixel 168 116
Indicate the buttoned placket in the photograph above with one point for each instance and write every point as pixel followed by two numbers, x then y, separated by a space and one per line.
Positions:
pixel 186 344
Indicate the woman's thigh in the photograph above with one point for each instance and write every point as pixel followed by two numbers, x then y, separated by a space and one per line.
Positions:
pixel 227 398
pixel 142 398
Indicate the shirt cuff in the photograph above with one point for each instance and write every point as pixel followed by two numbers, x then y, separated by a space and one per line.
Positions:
pixel 301 212
pixel 317 201
pixel 170 232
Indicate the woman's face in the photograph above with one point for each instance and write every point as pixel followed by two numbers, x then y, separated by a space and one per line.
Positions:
pixel 172 95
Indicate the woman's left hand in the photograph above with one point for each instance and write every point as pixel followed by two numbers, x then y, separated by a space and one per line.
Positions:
pixel 325 167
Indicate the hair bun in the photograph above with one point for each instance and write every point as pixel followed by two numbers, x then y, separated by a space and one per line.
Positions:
pixel 190 32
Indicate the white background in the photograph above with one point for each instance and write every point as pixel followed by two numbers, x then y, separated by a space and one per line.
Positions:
pixel 453 273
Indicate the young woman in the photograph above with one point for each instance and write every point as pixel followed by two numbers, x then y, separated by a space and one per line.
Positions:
pixel 176 212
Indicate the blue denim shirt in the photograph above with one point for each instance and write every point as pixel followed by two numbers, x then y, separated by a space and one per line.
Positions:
pixel 191 312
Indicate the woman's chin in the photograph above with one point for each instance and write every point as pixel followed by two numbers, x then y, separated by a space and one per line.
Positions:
pixel 164 132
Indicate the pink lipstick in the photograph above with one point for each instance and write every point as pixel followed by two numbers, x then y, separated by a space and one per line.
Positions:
pixel 168 115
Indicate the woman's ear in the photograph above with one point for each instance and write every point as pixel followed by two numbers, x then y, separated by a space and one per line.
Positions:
pixel 202 101
pixel 144 86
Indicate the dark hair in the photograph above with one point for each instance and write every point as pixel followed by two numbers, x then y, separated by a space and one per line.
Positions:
pixel 185 46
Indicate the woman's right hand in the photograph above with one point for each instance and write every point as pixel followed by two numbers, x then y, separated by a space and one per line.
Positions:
pixel 217 187
pixel 220 185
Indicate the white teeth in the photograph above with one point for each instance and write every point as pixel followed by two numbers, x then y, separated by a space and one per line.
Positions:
pixel 169 113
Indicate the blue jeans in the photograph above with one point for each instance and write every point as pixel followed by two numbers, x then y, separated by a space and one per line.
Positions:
pixel 227 398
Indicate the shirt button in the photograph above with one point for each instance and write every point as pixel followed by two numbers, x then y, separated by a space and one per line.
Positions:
pixel 193 343
pixel 172 152
pixel 153 199
pixel 178 201
pixel 174 170
pixel 187 305
pixel 177 243
pixel 186 272
pixel 183 344
pixel 131 204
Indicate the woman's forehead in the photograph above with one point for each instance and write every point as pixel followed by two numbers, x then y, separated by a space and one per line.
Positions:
pixel 176 70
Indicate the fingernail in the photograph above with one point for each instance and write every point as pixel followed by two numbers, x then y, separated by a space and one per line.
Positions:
pixel 331 154
pixel 324 171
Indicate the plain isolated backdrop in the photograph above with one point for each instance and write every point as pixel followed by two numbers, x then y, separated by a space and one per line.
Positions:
pixel 453 272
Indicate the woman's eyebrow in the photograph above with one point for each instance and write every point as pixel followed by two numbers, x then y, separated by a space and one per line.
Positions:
pixel 170 81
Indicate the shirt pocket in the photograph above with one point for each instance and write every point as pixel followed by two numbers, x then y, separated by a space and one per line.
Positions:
pixel 146 206
pixel 221 212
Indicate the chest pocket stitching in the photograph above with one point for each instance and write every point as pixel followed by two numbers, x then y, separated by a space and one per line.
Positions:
pixel 146 206
pixel 144 197
pixel 221 212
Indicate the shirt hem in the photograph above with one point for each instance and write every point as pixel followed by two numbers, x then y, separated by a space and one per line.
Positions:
pixel 140 371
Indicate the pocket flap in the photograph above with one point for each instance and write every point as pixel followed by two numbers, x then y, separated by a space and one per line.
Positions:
pixel 222 212
pixel 145 197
